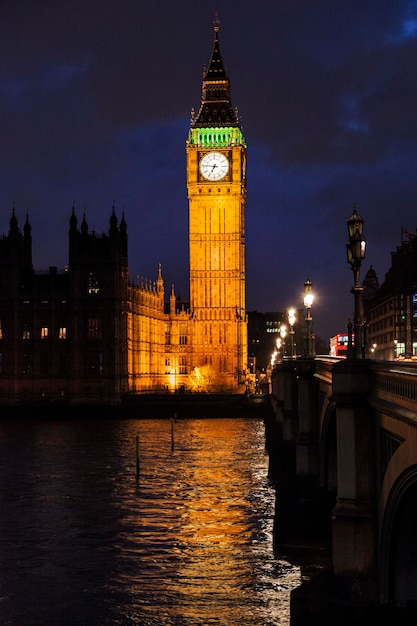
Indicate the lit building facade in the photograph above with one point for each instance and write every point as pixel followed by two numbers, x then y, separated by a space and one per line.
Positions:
pixel 90 333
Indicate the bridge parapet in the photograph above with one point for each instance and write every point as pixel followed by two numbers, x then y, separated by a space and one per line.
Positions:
pixel 395 383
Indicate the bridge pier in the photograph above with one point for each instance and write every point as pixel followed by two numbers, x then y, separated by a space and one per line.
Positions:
pixel 283 430
pixel 354 536
pixel 307 442
pixel 294 455
pixel 287 413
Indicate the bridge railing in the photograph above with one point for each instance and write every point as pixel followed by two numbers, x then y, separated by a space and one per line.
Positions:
pixel 396 383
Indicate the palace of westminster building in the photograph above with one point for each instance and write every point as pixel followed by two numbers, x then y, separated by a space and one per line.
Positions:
pixel 90 333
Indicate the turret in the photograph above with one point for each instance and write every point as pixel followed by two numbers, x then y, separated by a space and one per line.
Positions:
pixel 113 224
pixel 172 302
pixel 27 244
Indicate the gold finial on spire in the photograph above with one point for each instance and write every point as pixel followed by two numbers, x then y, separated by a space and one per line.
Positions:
pixel 216 22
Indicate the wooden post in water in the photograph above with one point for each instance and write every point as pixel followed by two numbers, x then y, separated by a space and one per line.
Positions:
pixel 172 432
pixel 137 458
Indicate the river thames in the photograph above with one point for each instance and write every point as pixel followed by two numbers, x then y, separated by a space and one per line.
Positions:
pixel 144 522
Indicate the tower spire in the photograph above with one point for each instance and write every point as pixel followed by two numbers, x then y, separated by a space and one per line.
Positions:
pixel 216 106
pixel 216 22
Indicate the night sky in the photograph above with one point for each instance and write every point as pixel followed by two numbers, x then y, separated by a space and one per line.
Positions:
pixel 95 102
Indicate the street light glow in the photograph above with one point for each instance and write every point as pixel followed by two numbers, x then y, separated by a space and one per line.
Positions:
pixel 310 349
pixel 291 316
pixel 291 321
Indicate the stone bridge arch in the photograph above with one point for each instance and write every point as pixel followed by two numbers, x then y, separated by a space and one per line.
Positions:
pixel 398 544
pixel 328 447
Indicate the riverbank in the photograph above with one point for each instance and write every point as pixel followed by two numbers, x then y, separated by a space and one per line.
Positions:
pixel 148 406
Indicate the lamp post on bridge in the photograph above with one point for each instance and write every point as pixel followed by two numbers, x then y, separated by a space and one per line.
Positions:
pixel 310 349
pixel 291 322
pixel 355 249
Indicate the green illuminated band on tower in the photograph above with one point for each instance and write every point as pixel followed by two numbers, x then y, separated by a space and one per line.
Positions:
pixel 215 136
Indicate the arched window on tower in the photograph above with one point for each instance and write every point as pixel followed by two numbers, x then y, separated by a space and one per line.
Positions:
pixel 93 284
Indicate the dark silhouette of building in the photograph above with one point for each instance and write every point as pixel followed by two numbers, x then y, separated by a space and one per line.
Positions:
pixel 391 312
pixel 63 333
pixel 264 332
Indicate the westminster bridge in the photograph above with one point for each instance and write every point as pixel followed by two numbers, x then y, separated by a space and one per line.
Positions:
pixel 346 431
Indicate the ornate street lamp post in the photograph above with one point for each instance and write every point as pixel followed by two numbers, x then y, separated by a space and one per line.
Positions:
pixel 310 349
pixel 291 322
pixel 283 333
pixel 355 249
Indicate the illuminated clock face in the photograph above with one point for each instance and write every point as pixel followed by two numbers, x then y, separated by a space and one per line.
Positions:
pixel 214 166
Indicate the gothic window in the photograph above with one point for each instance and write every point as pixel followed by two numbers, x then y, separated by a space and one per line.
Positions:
pixel 183 365
pixel 167 334
pixel 26 332
pixel 94 327
pixel 44 332
pixel 183 334
pixel 62 332
pixel 93 284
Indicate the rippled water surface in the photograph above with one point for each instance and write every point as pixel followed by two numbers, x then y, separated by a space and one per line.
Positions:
pixel 188 543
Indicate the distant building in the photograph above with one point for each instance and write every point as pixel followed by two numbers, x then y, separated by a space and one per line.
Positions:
pixel 391 312
pixel 264 332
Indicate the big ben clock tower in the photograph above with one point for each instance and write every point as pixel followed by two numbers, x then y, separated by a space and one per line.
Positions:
pixel 216 182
